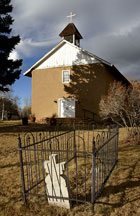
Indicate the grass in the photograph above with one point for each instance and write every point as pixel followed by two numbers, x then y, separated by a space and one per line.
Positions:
pixel 120 197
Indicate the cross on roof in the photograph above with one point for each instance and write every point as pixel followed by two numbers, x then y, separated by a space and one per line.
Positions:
pixel 70 16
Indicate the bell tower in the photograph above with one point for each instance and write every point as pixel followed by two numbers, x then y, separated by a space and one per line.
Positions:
pixel 71 33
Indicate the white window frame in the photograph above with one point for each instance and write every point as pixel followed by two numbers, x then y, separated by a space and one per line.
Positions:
pixel 63 76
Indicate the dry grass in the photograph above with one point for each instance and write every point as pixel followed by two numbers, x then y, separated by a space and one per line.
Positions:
pixel 121 195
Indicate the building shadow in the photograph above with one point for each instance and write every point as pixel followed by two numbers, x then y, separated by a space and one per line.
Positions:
pixel 89 81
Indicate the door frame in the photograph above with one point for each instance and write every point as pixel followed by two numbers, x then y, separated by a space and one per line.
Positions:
pixel 59 107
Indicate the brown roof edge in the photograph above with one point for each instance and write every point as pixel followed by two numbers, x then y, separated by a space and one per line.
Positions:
pixel 120 76
pixel 29 74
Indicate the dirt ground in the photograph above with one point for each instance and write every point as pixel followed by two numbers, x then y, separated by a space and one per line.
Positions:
pixel 120 197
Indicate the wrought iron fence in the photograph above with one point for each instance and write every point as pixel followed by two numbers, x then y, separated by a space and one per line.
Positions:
pixel 79 156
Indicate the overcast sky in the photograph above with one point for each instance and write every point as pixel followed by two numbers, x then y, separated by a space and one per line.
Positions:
pixel 110 30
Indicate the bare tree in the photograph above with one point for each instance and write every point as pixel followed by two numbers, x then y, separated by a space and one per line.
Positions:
pixel 9 105
pixel 26 111
pixel 122 104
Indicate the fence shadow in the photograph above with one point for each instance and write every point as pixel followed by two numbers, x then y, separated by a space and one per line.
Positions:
pixel 31 127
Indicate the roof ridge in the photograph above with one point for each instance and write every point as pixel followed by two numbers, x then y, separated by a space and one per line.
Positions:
pixel 79 48
pixel 54 48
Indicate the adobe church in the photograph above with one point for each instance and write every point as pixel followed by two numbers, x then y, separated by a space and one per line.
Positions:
pixel 68 81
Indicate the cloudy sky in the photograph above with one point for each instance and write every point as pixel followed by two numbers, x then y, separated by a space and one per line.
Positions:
pixel 110 28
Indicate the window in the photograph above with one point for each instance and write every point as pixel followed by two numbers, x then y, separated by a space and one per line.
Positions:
pixel 66 76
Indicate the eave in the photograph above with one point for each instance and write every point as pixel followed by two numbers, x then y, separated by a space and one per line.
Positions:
pixel 61 43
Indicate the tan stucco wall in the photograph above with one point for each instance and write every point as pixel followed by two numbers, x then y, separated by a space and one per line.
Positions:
pixel 47 88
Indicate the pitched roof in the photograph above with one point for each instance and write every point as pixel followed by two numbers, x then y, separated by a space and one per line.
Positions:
pixel 60 44
pixel 70 29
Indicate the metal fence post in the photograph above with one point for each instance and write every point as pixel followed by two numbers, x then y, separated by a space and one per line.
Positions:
pixel 117 143
pixel 22 169
pixel 93 174
pixel 75 160
pixel 74 141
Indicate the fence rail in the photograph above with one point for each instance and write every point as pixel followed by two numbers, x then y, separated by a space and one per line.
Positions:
pixel 85 157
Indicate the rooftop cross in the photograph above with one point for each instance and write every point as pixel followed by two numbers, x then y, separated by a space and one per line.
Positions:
pixel 70 16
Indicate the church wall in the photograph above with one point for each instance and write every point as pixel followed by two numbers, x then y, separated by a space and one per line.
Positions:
pixel 47 88
pixel 93 83
pixel 88 84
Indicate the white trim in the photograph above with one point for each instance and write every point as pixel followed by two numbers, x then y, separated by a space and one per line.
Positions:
pixel 74 39
pixel 59 107
pixel 57 47
pixel 44 57
pixel 63 76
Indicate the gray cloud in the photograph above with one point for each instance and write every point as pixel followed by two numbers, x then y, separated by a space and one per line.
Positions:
pixel 29 48
pixel 110 28
pixel 123 50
